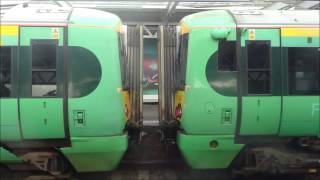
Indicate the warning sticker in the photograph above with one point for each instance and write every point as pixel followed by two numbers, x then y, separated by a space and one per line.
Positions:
pixel 252 34
pixel 55 33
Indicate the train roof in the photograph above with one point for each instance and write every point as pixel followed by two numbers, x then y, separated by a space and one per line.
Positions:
pixel 53 15
pixel 255 18
pixel 272 17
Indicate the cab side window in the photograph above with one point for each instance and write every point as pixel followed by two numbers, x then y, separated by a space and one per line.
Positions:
pixel 227 60
pixel 85 71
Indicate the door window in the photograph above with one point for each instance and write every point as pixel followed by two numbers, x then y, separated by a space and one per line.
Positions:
pixel 44 73
pixel 258 59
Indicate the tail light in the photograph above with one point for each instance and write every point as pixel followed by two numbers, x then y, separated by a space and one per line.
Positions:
pixel 178 112
pixel 126 110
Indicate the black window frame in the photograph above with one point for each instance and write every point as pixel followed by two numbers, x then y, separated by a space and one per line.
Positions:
pixel 268 43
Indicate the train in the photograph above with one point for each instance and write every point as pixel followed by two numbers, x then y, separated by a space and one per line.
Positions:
pixel 237 89
pixel 63 103
pixel 247 90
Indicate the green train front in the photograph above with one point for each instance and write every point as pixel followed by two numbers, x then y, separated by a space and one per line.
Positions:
pixel 247 78
pixel 61 88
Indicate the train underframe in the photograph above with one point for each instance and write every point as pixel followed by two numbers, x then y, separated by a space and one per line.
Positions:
pixel 293 156
pixel 105 152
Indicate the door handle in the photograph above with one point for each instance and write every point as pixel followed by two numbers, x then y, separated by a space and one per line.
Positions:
pixel 259 102
pixel 44 104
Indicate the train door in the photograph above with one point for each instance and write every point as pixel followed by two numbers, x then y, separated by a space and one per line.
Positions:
pixel 301 95
pixel 41 84
pixel 9 121
pixel 260 82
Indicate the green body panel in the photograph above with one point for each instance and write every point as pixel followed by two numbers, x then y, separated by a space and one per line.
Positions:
pixel 209 104
pixel 300 42
pixel 9 122
pixel 7 157
pixel 206 98
pixel 222 82
pixel 203 115
pixel 272 35
pixel 96 153
pixel 28 33
pixel 9 40
pixel 202 104
pixel 260 119
pixel 41 118
pixel 305 120
pixel 257 118
pixel 198 153
pixel 101 139
pixel 106 96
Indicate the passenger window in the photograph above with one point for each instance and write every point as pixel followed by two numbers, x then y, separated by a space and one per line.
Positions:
pixel 303 70
pixel 5 71
pixel 258 60
pixel 44 73
pixel 227 60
